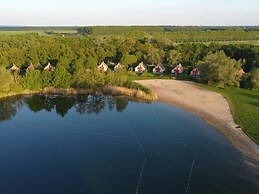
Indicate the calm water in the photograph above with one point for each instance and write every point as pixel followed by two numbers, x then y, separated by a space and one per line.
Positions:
pixel 91 144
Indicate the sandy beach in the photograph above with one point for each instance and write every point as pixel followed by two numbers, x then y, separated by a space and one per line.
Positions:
pixel 209 105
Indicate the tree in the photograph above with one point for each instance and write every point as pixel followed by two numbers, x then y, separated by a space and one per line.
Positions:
pixel 62 78
pixel 32 80
pixel 221 69
pixel 91 63
pixel 47 78
pixel 64 62
pixel 6 80
pixel 128 59
pixel 88 78
pixel 78 64
pixel 84 30
pixel 174 57
pixel 155 56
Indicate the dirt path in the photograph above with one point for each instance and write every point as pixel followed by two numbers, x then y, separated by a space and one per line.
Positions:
pixel 210 106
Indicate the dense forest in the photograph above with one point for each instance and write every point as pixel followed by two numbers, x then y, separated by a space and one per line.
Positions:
pixel 75 58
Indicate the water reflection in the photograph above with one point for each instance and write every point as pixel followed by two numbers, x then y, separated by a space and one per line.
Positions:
pixel 83 104
pixel 9 107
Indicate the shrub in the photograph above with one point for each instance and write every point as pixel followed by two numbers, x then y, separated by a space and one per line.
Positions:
pixel 32 80
pixel 6 80
pixel 255 78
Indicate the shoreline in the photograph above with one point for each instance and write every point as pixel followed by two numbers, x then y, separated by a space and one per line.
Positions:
pixel 106 90
pixel 210 106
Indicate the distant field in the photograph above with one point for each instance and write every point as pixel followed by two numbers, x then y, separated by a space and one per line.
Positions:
pixel 254 42
pixel 40 32
pixel 175 34
pixel 43 33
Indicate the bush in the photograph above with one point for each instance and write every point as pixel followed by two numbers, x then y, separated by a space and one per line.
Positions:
pixel 245 81
pixel 255 78
pixel 88 78
pixel 6 80
pixel 62 78
pixel 137 86
pixel 32 80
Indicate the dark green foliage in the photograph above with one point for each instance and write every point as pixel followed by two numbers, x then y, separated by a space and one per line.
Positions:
pixel 255 78
pixel 148 44
pixel 6 80
pixel 91 62
pixel 117 78
pixel 173 57
pixel 112 30
pixel 62 78
pixel 128 59
pixel 246 81
pixel 88 78
pixel 84 30
pixel 32 80
pixel 221 69
pixel 76 53
pixel 135 85
pixel 47 78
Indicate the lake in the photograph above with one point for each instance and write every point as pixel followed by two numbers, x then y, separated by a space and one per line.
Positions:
pixel 99 144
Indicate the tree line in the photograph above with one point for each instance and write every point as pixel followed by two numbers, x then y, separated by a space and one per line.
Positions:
pixel 178 34
pixel 76 58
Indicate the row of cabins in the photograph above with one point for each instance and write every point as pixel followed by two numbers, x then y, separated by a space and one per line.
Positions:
pixel 48 67
pixel 141 68
pixel 159 69
pixel 103 67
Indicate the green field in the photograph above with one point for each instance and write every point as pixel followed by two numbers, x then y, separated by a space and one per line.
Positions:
pixel 40 32
pixel 244 106
pixel 176 34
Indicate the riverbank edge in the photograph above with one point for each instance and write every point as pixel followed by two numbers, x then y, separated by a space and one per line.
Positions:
pixel 105 90
pixel 235 135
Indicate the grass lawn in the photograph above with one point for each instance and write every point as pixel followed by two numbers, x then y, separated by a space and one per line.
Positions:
pixel 244 105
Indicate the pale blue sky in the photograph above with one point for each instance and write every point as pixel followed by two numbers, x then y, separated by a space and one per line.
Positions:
pixel 130 12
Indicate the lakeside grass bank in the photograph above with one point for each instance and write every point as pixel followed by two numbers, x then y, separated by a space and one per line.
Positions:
pixel 105 90
pixel 244 106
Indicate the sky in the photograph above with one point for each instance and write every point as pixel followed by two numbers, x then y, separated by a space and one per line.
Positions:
pixel 129 12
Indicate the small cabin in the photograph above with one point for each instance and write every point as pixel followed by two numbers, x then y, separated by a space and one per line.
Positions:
pixel 140 68
pixel 14 68
pixel 177 70
pixel 119 65
pixel 49 68
pixel 195 72
pixel 159 69
pixel 103 67
pixel 30 67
